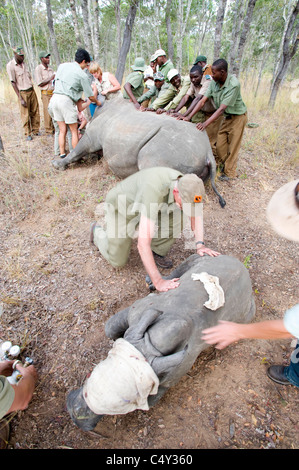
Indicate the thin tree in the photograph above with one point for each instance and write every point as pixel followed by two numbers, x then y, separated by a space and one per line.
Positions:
pixel 181 29
pixel 125 47
pixel 75 23
pixel 169 31
pixel 244 34
pixel 289 45
pixel 86 28
pixel 96 30
pixel 218 29
pixel 52 32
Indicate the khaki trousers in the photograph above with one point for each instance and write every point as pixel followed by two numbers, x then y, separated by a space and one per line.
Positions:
pixel 48 123
pixel 212 131
pixel 229 142
pixel 30 115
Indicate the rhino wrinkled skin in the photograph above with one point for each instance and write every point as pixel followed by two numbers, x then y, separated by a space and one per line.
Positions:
pixel 131 140
pixel 166 327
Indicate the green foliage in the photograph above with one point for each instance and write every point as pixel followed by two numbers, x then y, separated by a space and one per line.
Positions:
pixel 149 31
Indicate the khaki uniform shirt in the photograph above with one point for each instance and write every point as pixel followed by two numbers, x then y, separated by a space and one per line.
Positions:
pixel 7 396
pixel 144 192
pixel 165 69
pixel 19 73
pixel 229 94
pixel 43 73
pixel 153 93
pixel 136 81
pixel 71 80
pixel 172 96
pixel 194 92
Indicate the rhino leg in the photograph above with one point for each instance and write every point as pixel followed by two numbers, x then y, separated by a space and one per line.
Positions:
pixel 116 326
pixel 87 145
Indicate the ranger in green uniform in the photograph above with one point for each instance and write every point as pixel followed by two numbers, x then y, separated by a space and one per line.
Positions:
pixel 134 85
pixel 225 91
pixel 171 98
pixel 155 201
pixel 164 64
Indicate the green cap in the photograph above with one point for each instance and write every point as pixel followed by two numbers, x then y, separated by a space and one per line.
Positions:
pixel 18 50
pixel 200 58
pixel 44 54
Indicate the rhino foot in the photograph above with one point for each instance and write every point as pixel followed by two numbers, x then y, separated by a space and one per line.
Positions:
pixel 59 165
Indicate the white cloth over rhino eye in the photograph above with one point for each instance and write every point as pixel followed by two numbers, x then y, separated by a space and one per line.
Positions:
pixel 121 383
pixel 213 288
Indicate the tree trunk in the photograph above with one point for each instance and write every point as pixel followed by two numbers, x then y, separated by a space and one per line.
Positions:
pixel 75 23
pixel 218 29
pixel 118 24
pixel 96 42
pixel 290 41
pixel 238 18
pixel 52 32
pixel 169 31
pixel 244 33
pixel 86 28
pixel 26 37
pixel 126 40
pixel 182 24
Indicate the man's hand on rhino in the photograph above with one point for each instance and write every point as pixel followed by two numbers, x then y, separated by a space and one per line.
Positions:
pixel 163 285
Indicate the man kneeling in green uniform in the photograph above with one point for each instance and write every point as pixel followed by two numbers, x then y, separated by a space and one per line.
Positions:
pixel 157 200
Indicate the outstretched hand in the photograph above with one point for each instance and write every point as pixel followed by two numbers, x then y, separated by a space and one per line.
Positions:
pixel 222 334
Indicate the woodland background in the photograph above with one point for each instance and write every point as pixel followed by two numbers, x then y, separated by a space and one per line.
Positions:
pixel 257 37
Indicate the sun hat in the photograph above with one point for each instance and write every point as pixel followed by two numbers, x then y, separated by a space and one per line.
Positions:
pixel 283 211
pixel 192 191
pixel 139 64
pixel 172 73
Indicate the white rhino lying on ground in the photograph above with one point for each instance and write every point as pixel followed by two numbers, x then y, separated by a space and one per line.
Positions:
pixel 158 338
pixel 132 140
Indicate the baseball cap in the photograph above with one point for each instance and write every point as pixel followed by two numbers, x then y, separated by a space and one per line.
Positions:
pixel 283 211
pixel 172 73
pixel 157 54
pixel 43 54
pixel 159 76
pixel 192 192
pixel 18 50
pixel 200 58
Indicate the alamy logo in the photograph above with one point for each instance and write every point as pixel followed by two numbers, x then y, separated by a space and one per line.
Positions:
pixel 122 218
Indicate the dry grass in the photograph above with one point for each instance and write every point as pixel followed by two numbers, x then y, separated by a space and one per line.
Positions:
pixel 25 186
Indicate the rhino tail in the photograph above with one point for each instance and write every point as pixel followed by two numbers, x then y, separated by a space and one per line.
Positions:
pixel 212 172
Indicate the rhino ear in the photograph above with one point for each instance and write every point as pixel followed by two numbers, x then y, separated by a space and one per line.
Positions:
pixel 164 364
pixel 136 331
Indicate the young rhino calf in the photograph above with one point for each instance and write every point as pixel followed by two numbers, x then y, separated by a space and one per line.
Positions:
pixel 158 338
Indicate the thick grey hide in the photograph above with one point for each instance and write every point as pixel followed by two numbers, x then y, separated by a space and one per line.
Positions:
pixel 132 140
pixel 166 327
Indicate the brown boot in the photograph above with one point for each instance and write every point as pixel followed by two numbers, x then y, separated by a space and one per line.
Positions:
pixel 162 261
